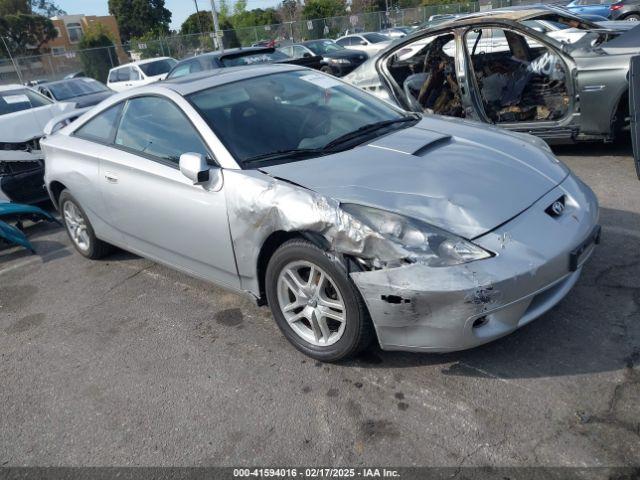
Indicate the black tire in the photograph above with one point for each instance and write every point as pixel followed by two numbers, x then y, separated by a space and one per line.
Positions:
pixel 358 330
pixel 632 17
pixel 327 69
pixel 96 248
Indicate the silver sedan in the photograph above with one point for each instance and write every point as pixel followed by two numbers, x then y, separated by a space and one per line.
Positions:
pixel 349 217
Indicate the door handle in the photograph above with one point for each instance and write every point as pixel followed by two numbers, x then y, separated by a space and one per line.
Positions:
pixel 111 177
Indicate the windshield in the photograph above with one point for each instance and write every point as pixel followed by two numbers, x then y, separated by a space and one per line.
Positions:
pixel 12 101
pixel 298 110
pixel 76 88
pixel 323 46
pixel 158 67
pixel 252 59
pixel 375 37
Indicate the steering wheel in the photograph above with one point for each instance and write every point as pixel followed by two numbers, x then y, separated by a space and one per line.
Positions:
pixel 320 117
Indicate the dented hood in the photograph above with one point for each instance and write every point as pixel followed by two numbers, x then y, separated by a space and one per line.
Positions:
pixel 627 42
pixel 26 125
pixel 466 181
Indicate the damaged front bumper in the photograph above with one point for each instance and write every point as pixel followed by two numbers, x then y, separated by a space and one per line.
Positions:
pixel 539 257
pixel 22 172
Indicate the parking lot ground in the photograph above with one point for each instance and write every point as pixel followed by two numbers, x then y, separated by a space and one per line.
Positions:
pixel 125 362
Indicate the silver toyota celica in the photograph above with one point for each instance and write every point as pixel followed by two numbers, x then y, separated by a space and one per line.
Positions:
pixel 350 218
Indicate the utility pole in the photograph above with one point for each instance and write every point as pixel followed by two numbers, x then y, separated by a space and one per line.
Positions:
pixel 198 16
pixel 15 66
pixel 216 26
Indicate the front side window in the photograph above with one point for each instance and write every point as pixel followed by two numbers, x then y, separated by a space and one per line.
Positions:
pixel 180 71
pixel 345 42
pixel 286 111
pixel 519 79
pixel 320 47
pixel 102 127
pixel 12 101
pixel 156 127
pixel 159 67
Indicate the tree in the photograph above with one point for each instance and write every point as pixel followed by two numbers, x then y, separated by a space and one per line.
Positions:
pixel 97 52
pixel 314 9
pixel 202 22
pixel 26 33
pixel 239 7
pixel 13 7
pixel 289 10
pixel 138 17
pixel 46 8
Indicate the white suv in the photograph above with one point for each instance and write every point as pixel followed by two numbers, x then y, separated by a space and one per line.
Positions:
pixel 139 73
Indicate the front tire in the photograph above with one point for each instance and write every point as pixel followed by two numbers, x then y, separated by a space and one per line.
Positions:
pixel 79 228
pixel 315 303
pixel 633 17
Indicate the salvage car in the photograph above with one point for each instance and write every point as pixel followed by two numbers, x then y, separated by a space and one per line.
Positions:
pixel 235 57
pixel 84 92
pixel 335 59
pixel 349 217
pixel 24 113
pixel 497 69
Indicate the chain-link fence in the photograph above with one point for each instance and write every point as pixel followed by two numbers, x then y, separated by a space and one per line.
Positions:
pixel 55 66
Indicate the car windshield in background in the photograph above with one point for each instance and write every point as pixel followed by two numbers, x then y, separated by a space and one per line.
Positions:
pixel 253 59
pixel 158 67
pixel 375 37
pixel 12 101
pixel 76 88
pixel 323 46
pixel 282 116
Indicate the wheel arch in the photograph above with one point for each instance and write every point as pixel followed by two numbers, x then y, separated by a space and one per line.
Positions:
pixel 55 189
pixel 620 112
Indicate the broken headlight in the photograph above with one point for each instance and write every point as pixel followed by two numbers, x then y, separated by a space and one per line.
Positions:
pixel 425 243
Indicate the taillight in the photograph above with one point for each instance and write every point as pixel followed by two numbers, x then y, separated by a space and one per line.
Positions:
pixel 616 6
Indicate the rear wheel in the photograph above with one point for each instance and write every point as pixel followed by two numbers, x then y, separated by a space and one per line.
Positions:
pixel 633 17
pixel 79 228
pixel 315 303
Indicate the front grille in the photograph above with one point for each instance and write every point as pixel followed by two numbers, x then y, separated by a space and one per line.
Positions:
pixel 13 168
pixel 28 146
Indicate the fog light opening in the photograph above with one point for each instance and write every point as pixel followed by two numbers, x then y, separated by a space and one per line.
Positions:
pixel 478 322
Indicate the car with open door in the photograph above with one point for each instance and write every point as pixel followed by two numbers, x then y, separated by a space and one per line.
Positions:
pixel 497 68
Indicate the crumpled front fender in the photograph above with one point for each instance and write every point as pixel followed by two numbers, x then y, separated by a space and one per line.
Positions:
pixel 19 212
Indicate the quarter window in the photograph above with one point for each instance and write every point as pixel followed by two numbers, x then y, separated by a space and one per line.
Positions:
pixel 155 126
pixel 102 127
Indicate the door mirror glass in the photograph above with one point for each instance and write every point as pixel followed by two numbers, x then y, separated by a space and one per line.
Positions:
pixel 194 166
pixel 362 42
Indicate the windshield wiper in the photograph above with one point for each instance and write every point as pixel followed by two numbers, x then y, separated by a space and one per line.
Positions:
pixel 294 153
pixel 367 130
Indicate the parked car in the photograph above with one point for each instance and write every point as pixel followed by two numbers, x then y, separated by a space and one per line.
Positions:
pixel 589 7
pixel 85 92
pixel 336 59
pixel 79 74
pixel 136 74
pixel 371 42
pixel 512 75
pixel 340 211
pixel 628 10
pixel 24 114
pixel 236 57
pixel 396 32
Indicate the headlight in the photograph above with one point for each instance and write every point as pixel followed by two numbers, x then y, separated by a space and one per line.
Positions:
pixel 425 243
pixel 343 61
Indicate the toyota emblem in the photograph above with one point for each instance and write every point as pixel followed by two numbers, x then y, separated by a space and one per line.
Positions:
pixel 557 207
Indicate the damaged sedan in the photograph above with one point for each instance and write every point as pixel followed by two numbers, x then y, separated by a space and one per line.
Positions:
pixel 536 70
pixel 350 218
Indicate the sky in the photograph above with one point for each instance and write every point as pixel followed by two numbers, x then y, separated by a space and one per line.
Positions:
pixel 180 9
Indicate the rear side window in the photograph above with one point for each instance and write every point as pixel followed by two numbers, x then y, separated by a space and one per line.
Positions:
pixel 155 126
pixel 102 127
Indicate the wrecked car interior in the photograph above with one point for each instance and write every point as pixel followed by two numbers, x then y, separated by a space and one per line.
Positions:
pixel 517 78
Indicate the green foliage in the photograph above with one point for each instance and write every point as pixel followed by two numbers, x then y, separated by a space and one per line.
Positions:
pixel 13 7
pixel 323 8
pixel 97 52
pixel 202 22
pixel 239 7
pixel 243 21
pixel 46 8
pixel 25 34
pixel 138 17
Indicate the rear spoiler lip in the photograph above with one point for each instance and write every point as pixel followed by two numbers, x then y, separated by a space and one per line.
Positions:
pixel 63 120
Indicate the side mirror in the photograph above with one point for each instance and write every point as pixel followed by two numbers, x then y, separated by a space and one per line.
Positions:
pixel 306 55
pixel 363 42
pixel 194 166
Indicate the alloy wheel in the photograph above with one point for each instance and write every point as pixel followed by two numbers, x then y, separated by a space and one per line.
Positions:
pixel 76 226
pixel 311 303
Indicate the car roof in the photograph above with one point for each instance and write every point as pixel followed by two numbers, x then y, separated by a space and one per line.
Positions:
pixel 66 80
pixel 141 62
pixel 11 86
pixel 212 78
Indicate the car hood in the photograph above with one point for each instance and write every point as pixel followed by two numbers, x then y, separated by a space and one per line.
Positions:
pixel 29 124
pixel 467 181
